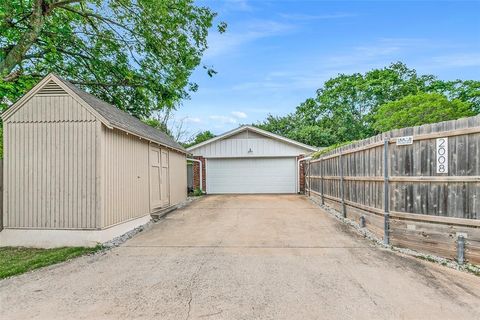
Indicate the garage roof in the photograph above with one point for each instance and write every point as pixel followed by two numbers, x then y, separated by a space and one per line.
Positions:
pixel 256 130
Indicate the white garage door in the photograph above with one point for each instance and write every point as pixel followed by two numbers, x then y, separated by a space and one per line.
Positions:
pixel 251 175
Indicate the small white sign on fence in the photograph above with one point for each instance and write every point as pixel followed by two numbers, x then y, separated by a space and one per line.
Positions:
pixel 402 141
pixel 442 155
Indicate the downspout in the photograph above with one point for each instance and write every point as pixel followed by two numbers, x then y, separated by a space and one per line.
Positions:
pixel 200 182
pixel 298 172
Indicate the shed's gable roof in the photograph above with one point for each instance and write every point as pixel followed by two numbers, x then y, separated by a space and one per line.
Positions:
pixel 111 116
pixel 256 130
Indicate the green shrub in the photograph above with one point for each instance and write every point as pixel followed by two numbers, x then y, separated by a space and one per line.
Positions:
pixel 326 150
pixel 197 192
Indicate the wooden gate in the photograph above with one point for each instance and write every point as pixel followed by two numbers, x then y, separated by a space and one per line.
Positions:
pixel 155 178
pixel 164 185
pixel 159 177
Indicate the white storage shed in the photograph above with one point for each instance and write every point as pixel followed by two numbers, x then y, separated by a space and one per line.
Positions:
pixel 78 171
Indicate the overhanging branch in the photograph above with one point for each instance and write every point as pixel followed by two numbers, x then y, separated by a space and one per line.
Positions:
pixel 107 84
pixel 63 3
pixel 99 17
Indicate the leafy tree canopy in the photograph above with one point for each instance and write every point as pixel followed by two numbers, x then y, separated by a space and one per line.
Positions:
pixel 422 108
pixel 200 137
pixel 344 108
pixel 135 54
pixel 158 124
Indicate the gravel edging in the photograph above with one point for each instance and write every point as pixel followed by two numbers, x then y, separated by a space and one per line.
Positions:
pixel 115 242
pixel 467 267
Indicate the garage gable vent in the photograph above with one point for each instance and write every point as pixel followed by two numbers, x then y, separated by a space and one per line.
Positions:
pixel 51 88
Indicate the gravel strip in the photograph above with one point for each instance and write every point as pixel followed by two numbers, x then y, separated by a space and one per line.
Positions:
pixel 468 267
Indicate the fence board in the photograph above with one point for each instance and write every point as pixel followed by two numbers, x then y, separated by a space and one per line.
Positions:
pixel 415 187
pixel 1 194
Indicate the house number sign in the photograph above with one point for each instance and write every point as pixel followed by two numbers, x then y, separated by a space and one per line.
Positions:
pixel 403 141
pixel 442 155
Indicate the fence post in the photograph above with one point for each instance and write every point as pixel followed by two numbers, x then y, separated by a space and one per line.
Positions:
pixel 461 249
pixel 321 180
pixel 342 187
pixel 362 222
pixel 386 199
pixel 309 178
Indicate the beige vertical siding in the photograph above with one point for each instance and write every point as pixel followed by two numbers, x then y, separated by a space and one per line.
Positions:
pixel 240 144
pixel 50 172
pixel 66 170
pixel 126 179
pixel 51 108
pixel 178 177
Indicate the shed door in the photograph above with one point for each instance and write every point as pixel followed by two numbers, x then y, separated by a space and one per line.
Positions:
pixel 155 178
pixel 164 185
pixel 251 175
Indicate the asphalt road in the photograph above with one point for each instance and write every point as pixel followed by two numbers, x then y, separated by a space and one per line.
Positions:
pixel 244 257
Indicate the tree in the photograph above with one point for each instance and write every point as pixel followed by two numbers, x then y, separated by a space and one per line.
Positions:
pixel 136 54
pixel 199 138
pixel 419 109
pixel 166 122
pixel 158 124
pixel 345 106
pixel 297 128
pixel 468 91
pixel 284 126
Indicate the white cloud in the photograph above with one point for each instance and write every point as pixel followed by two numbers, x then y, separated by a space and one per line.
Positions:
pixel 458 60
pixel 313 71
pixel 239 114
pixel 382 48
pixel 286 81
pixel 221 44
pixel 238 5
pixel 305 17
pixel 223 119
pixel 193 119
pixel 261 110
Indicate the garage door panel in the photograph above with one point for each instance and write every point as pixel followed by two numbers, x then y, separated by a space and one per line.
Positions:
pixel 251 175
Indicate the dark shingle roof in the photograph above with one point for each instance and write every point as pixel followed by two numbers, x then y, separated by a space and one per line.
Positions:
pixel 122 120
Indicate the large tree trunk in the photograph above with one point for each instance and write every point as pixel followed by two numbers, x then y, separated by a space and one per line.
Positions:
pixel 15 56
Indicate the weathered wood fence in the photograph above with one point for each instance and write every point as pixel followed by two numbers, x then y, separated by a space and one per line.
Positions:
pixel 1 194
pixel 415 187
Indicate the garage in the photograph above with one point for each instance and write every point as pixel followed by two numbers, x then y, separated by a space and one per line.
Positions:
pixel 251 175
pixel 248 160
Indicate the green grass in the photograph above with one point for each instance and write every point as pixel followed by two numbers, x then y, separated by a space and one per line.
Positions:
pixel 17 260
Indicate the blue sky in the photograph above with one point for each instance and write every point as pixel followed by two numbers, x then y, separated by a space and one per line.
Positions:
pixel 275 54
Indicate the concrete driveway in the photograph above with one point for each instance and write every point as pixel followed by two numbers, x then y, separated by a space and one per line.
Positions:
pixel 244 257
